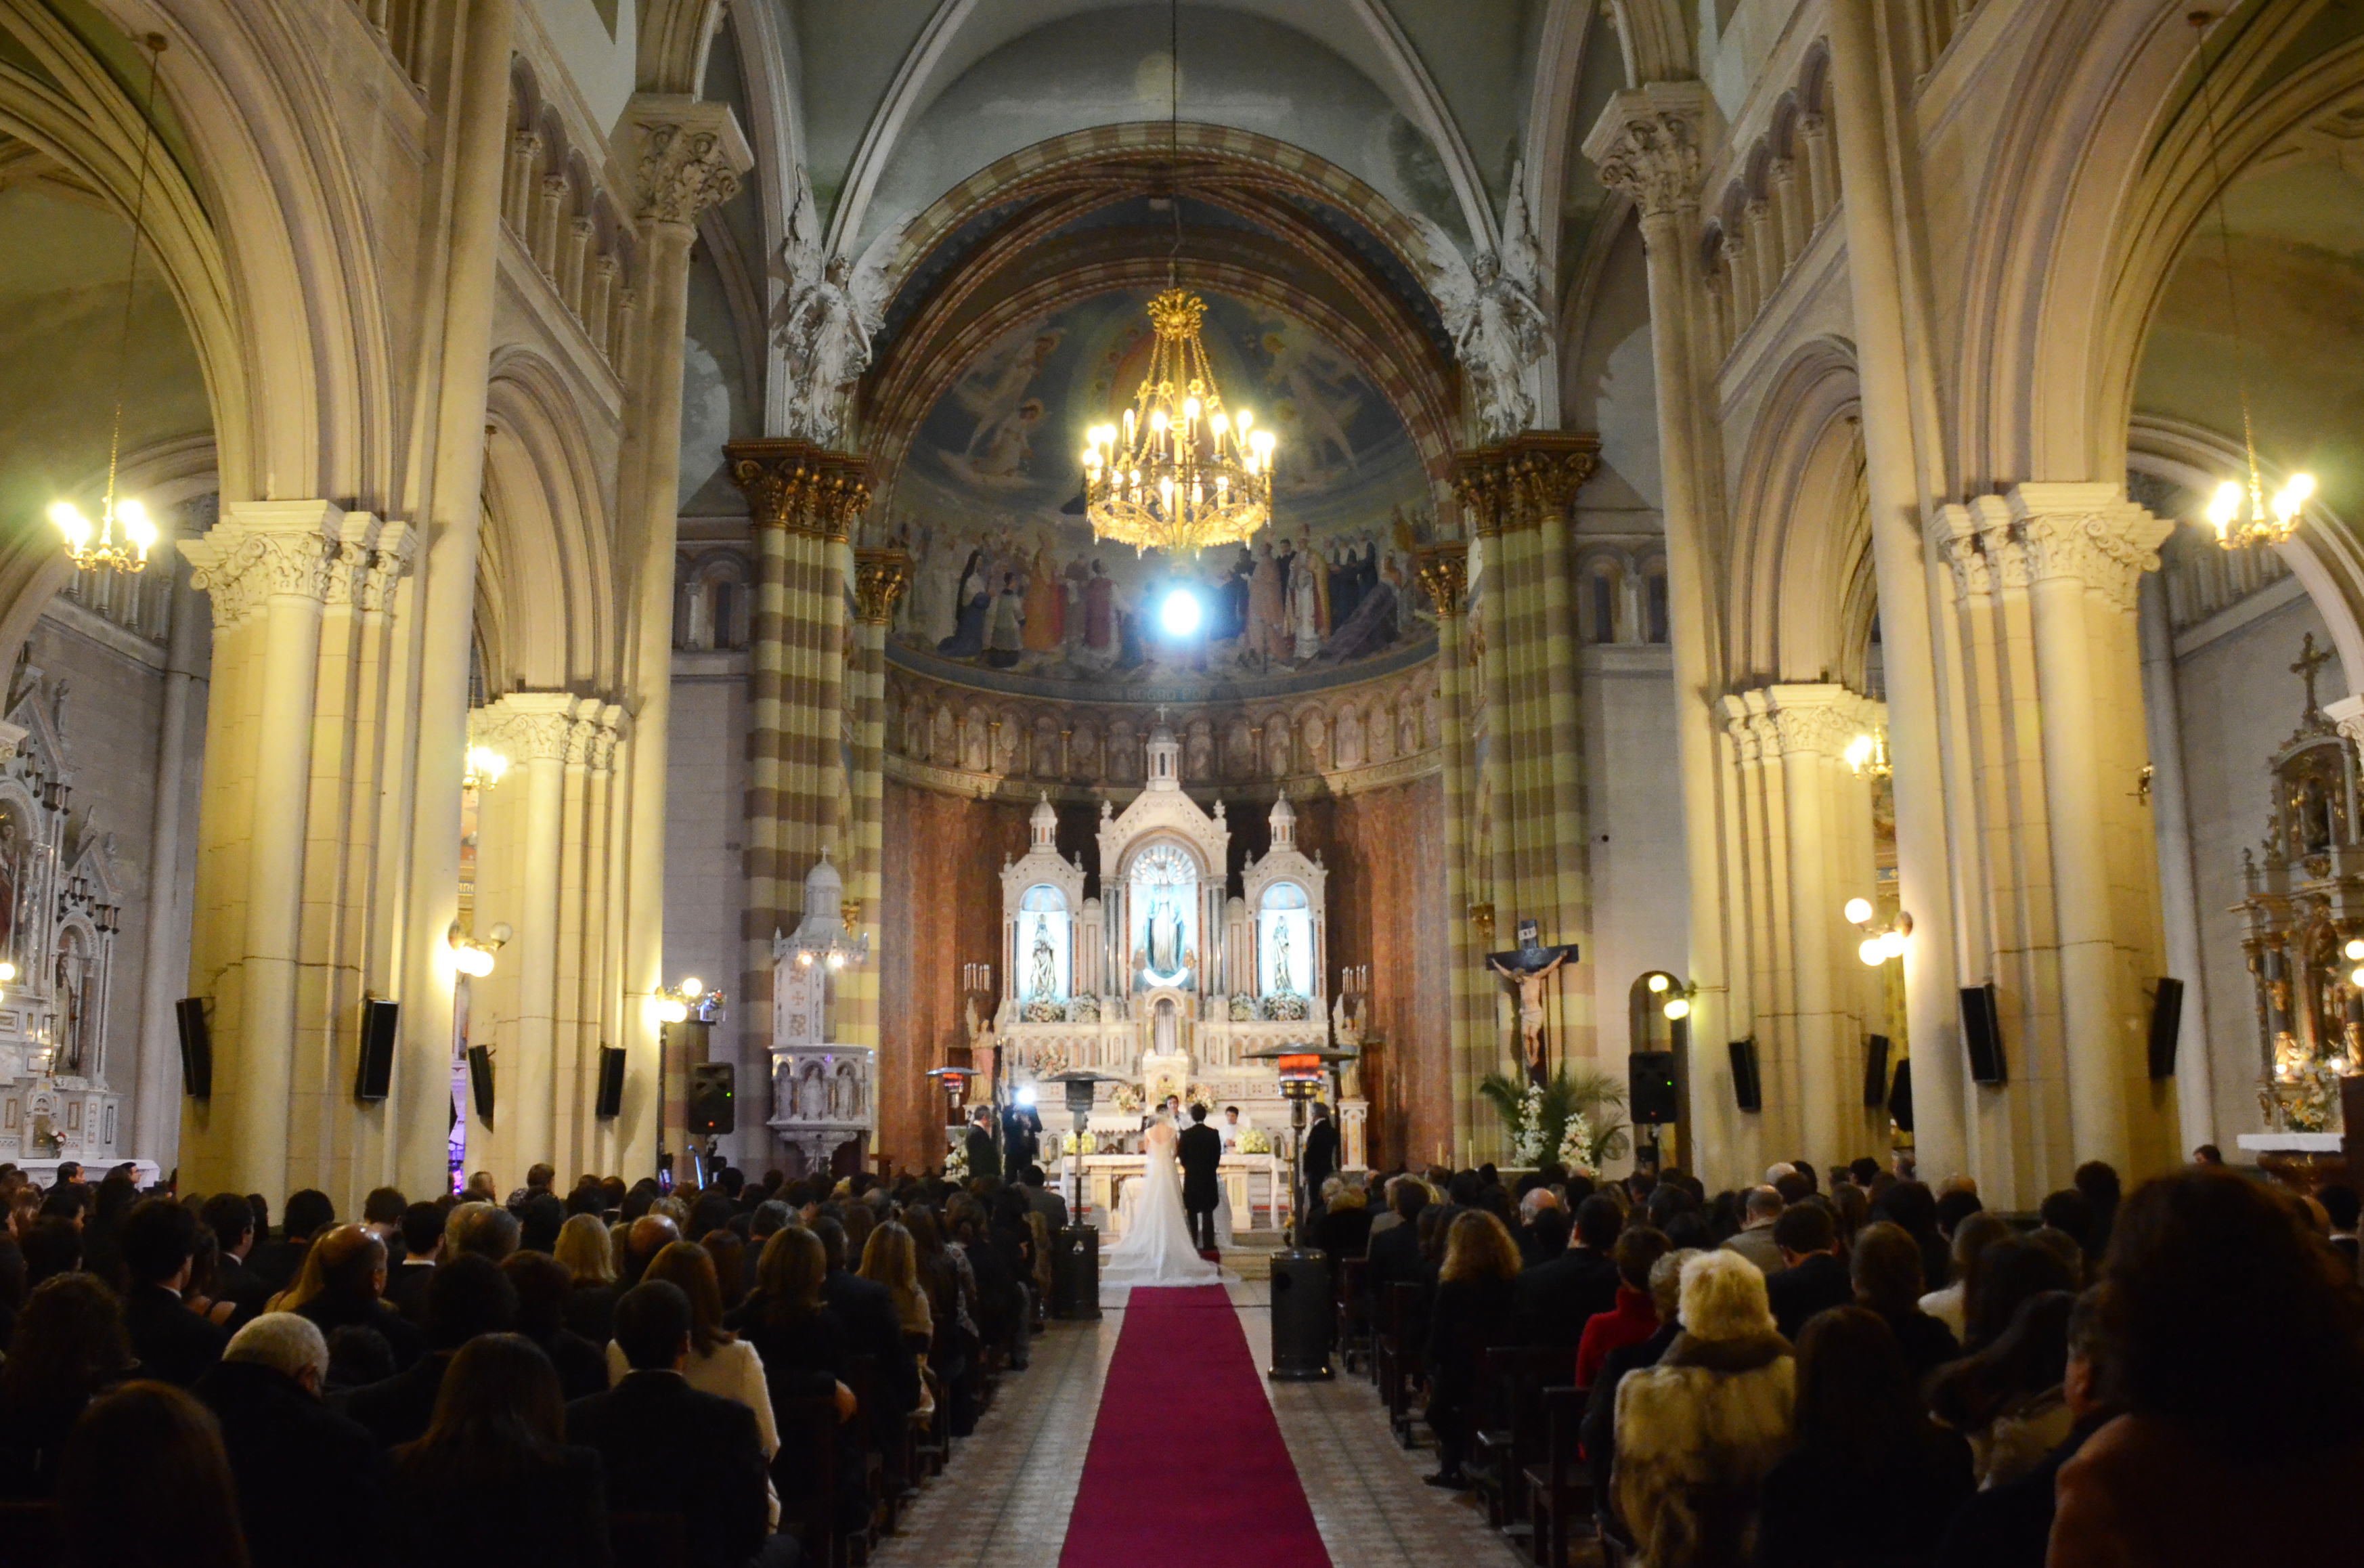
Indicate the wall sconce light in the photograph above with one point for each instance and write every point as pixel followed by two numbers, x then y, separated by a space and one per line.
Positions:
pixel 1881 942
pixel 675 1004
pixel 1675 994
pixel 473 956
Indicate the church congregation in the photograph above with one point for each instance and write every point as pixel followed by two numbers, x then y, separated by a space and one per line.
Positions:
pixel 1157 783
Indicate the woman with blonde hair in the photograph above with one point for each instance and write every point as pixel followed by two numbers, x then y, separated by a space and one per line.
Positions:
pixel 1473 1312
pixel 889 1259
pixel 1697 1433
pixel 588 1255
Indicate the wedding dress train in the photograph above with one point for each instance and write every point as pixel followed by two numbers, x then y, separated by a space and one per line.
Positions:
pixel 1156 1249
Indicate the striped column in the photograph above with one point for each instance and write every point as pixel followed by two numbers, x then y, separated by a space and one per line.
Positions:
pixel 803 502
pixel 880 578
pixel 1444 574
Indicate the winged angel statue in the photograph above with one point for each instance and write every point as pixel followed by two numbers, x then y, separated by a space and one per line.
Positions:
pixel 1488 301
pixel 830 309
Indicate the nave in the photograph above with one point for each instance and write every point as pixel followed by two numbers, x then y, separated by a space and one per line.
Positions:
pixel 1009 1494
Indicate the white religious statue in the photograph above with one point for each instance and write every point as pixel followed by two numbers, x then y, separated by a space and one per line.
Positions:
pixel 1490 304
pixel 1165 956
pixel 830 309
pixel 1283 979
pixel 1042 979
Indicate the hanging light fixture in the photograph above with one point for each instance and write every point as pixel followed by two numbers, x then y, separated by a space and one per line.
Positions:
pixel 2240 513
pixel 1177 470
pixel 97 547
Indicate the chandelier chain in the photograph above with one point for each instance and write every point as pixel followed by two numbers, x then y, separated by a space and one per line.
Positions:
pixel 155 42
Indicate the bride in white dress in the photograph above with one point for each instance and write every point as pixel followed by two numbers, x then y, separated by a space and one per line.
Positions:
pixel 1156 1249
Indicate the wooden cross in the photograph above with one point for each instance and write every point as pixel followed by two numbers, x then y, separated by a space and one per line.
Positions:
pixel 2311 661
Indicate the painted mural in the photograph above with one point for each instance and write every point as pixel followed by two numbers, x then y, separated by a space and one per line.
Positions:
pixel 1008 584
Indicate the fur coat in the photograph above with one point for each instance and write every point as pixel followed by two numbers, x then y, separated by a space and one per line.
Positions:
pixel 1696 1435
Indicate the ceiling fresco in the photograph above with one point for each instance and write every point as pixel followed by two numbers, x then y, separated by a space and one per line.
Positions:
pixel 1009 589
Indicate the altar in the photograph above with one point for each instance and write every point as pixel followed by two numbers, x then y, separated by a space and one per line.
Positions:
pixel 1172 978
pixel 1256 1186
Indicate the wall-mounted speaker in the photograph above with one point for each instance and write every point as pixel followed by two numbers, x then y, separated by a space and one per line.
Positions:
pixel 611 1081
pixel 1900 1096
pixel 1875 1071
pixel 1650 1087
pixel 197 1047
pixel 712 1109
pixel 1747 1087
pixel 480 1079
pixel 381 1026
pixel 2166 1026
pixel 1982 1033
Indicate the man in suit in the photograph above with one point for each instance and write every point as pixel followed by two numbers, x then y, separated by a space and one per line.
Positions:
pixel 1321 1152
pixel 231 1219
pixel 422 1241
pixel 1755 1241
pixel 304 1471
pixel 1816 1277
pixel 1199 1150
pixel 173 1344
pixel 1394 1254
pixel 1051 1206
pixel 308 1213
pixel 984 1156
pixel 667 1449
pixel 1554 1300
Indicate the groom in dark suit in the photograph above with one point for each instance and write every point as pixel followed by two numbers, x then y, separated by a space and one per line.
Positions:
pixel 1199 1150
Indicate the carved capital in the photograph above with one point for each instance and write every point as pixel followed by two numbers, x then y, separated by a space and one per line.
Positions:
pixel 1444 574
pixel 801 487
pixel 1648 144
pixel 262 550
pixel 1519 483
pixel 530 726
pixel 2089 532
pixel 1818 718
pixel 880 578
pixel 690 153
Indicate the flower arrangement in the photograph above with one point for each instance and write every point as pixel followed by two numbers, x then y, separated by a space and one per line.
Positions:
pixel 1255 1140
pixel 1285 1006
pixel 1046 1010
pixel 1563 1118
pixel 1084 1010
pixel 1244 1007
pixel 1071 1143
pixel 956 1165
pixel 1126 1098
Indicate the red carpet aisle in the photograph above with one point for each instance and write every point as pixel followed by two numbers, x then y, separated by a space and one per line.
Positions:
pixel 1187 1466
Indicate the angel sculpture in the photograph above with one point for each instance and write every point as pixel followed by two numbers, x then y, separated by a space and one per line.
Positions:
pixel 1490 305
pixel 830 309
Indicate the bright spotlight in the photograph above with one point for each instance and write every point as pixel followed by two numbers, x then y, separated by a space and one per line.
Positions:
pixel 1026 1094
pixel 1181 614
pixel 1678 1008
pixel 2355 950
pixel 1859 910
pixel 1872 950
pixel 693 988
pixel 1891 943
pixel 1657 983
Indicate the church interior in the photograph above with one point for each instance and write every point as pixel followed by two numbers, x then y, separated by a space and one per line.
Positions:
pixel 762 601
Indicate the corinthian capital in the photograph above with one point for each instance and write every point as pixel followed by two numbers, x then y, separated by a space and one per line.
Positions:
pixel 799 486
pixel 530 726
pixel 262 550
pixel 1444 573
pixel 691 154
pixel 879 579
pixel 2090 532
pixel 1650 143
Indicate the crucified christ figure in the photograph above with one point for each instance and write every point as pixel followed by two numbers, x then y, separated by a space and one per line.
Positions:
pixel 1531 1005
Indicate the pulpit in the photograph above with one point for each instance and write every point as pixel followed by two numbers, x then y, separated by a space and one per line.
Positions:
pixel 821 1091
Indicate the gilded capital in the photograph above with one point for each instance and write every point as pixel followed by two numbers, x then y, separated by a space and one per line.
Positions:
pixel 880 578
pixel 799 486
pixel 1649 144
pixel 691 153
pixel 1516 484
pixel 1445 575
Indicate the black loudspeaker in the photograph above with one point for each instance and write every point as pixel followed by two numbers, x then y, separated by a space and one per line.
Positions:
pixel 480 1079
pixel 381 1026
pixel 1650 1087
pixel 1900 1096
pixel 1875 1071
pixel 2166 1026
pixel 1982 1033
pixel 1747 1087
pixel 712 1109
pixel 611 1081
pixel 197 1047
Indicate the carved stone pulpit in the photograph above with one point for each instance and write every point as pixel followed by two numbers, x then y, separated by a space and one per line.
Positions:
pixel 821 1091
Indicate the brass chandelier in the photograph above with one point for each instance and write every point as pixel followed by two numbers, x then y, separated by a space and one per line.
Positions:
pixel 1181 473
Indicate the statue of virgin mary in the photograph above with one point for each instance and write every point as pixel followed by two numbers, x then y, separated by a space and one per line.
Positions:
pixel 1165 937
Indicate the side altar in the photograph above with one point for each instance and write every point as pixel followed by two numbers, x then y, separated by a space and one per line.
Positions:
pixel 1168 978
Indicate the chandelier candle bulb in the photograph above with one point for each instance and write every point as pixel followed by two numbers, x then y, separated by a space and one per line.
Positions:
pixel 1859 912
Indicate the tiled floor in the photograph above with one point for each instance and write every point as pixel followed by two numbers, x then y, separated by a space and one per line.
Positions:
pixel 1005 1499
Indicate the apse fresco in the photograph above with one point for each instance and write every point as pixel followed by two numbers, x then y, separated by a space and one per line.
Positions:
pixel 1011 589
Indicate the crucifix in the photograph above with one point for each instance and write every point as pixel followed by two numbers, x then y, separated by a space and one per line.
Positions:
pixel 1526 968
pixel 2310 660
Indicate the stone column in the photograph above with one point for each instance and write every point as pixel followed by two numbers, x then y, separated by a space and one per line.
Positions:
pixel 1897 492
pixel 879 579
pixel 689 156
pixel 803 502
pixel 266 564
pixel 1647 144
pixel 445 598
pixel 1444 574
pixel 158 1133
